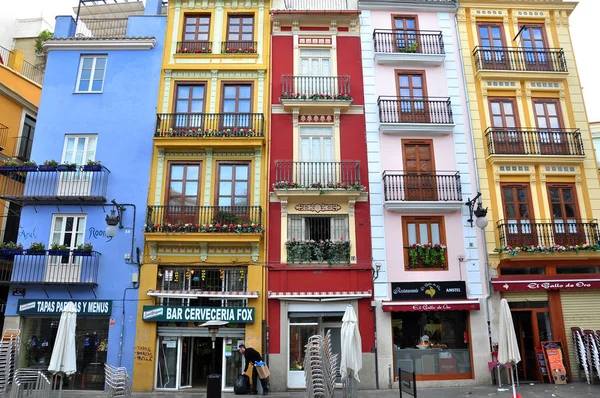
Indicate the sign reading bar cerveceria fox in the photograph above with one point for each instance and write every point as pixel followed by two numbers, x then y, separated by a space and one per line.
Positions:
pixel 154 313
pixel 55 307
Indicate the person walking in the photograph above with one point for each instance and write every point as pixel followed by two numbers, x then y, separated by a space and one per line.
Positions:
pixel 252 356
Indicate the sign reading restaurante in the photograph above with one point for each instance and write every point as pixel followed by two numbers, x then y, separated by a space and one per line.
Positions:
pixel 428 290
pixel 154 313
pixel 55 307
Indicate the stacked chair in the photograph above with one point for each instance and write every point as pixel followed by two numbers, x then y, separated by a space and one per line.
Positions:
pixel 9 351
pixel 117 381
pixel 587 352
pixel 320 367
pixel 31 383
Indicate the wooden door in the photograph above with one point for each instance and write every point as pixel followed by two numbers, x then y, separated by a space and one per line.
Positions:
pixel 533 41
pixel 412 90
pixel 419 169
pixel 406 39
pixel 552 138
pixel 519 228
pixel 494 54
pixel 566 224
pixel 183 194
pixel 506 137
pixel 531 330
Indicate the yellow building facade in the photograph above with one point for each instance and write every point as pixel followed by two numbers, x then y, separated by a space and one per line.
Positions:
pixel 537 171
pixel 204 256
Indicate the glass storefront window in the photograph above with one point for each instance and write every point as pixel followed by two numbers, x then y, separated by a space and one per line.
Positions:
pixel 299 334
pixel 447 351
pixel 91 342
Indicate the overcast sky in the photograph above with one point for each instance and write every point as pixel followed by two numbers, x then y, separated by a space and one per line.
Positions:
pixel 583 33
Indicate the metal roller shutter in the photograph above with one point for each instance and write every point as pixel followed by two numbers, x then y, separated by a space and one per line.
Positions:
pixel 525 296
pixel 580 309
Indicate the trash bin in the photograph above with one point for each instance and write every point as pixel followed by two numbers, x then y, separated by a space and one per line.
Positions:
pixel 213 386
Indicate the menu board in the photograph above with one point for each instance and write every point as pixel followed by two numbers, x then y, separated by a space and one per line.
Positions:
pixel 541 363
pixel 555 358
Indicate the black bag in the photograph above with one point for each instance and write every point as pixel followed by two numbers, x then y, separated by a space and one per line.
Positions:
pixel 242 385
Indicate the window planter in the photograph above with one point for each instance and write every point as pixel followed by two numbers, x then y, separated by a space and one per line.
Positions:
pixel 82 253
pixel 426 256
pixel 58 252
pixel 30 252
pixel 10 168
pixel 64 167
pixel 95 167
pixel 47 168
pixel 310 251
pixel 12 252
pixel 28 168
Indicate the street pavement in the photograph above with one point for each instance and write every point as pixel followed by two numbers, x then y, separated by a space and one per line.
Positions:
pixel 572 390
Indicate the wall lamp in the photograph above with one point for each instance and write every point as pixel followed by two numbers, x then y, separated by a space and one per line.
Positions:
pixel 375 270
pixel 115 218
pixel 479 212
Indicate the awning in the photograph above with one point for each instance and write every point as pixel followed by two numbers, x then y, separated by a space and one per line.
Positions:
pixel 320 296
pixel 583 282
pixel 201 293
pixel 431 305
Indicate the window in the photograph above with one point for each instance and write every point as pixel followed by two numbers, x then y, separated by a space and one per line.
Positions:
pixel 491 37
pixel 78 149
pixel 240 28
pixel 533 41
pixel 234 184
pixel 420 182
pixel 412 91
pixel 424 242
pixel 236 104
pixel 549 125
pixel 309 227
pixel 568 229
pixel 189 104
pixel 69 231
pixel 183 194
pixel 518 229
pixel 505 137
pixel 26 139
pixel 91 74
pixel 316 156
pixel 405 29
pixel 197 28
pixel 315 62
pixel 318 238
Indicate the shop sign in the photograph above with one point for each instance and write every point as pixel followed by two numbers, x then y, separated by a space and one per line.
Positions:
pixel 154 313
pixel 571 284
pixel 465 305
pixel 55 307
pixel 402 291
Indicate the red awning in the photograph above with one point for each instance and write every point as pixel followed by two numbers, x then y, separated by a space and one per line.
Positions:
pixel 430 305
pixel 582 282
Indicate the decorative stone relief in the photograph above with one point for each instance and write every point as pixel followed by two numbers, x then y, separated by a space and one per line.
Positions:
pixel 336 117
pixel 316 119
pixel 317 207
pixel 315 40
pixel 353 26
pixel 532 178
pixel 460 14
pixel 351 204
pixel 543 178
pixel 295 26
pixel 333 26
pixel 295 114
pixel 203 251
pixel 276 26
pixel 153 251
pixel 255 252
pixel 284 203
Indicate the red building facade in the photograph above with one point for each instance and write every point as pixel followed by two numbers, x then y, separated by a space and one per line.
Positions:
pixel 319 244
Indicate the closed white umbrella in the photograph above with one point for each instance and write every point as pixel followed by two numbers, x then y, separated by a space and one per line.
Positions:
pixel 508 347
pixel 351 360
pixel 64 358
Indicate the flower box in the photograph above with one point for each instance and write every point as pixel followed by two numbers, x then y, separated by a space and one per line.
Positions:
pixel 10 168
pixel 30 252
pixel 95 167
pixel 28 168
pixel 64 167
pixel 58 252
pixel 47 168
pixel 12 252
pixel 427 256
pixel 82 253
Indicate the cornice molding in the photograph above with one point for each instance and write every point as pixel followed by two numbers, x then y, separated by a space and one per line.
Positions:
pixel 109 44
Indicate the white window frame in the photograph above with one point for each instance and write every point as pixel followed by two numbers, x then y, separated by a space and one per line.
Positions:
pixel 305 54
pixel 93 75
pixel 317 133
pixel 87 138
pixel 65 216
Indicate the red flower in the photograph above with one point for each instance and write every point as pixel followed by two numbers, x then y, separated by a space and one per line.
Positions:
pixel 217 225
pixel 245 225
pixel 230 225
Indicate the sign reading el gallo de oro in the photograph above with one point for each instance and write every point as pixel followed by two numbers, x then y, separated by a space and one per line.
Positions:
pixel 55 307
pixel 532 285
pixel 153 313
pixel 428 290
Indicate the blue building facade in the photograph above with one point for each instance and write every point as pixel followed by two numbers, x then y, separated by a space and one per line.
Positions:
pixel 98 104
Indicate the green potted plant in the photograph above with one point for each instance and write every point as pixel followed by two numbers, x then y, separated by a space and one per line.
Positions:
pixel 29 165
pixel 11 248
pixel 67 166
pixel 36 248
pixel 10 165
pixel 92 165
pixel 57 249
pixel 83 250
pixel 49 165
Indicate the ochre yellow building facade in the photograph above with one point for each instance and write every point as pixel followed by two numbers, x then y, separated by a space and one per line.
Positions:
pixel 205 240
pixel 537 170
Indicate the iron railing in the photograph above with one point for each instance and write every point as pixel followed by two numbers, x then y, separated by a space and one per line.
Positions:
pixel 203 218
pixel 317 174
pixel 23 147
pixel 415 110
pixel 316 4
pixel 47 268
pixel 408 41
pixel 101 27
pixel 6 267
pixel 238 47
pixel 411 187
pixel 315 87
pixel 194 46
pixel 536 233
pixel 26 69
pixel 3 136
pixel 507 58
pixel 209 125
pixel 49 184
pixel 208 279
pixel 527 141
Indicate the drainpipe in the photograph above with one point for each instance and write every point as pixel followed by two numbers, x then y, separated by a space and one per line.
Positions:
pixel 486 298
pixel 375 348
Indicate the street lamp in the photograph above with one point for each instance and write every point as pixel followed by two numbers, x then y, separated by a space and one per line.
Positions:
pixel 113 220
pixel 481 222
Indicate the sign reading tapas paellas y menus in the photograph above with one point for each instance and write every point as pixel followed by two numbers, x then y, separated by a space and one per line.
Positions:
pixel 154 313
pixel 428 290
pixel 55 307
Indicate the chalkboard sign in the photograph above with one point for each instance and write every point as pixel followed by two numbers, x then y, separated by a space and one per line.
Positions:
pixel 541 364
pixel 554 357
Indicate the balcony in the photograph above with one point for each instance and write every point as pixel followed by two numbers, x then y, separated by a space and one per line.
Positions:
pixel 48 269
pixel 415 47
pixel 538 236
pixel 535 143
pixel 52 185
pixel 14 60
pixel 180 130
pixel 194 47
pixel 298 5
pixel 3 136
pixel 427 116
pixel 317 179
pixel 204 223
pixel 518 60
pixel 409 192
pixel 238 47
pixel 315 92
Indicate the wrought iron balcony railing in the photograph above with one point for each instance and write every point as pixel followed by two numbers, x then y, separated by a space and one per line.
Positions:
pixel 54 185
pixel 239 219
pixel 410 42
pixel 526 141
pixel 101 27
pixel 316 4
pixel 205 278
pixel 316 87
pixel 238 47
pixel 3 136
pixel 415 110
pixel 194 47
pixel 47 268
pixel 19 65
pixel 518 59
pixel 209 125
pixel 405 186
pixel 547 234
pixel 343 175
